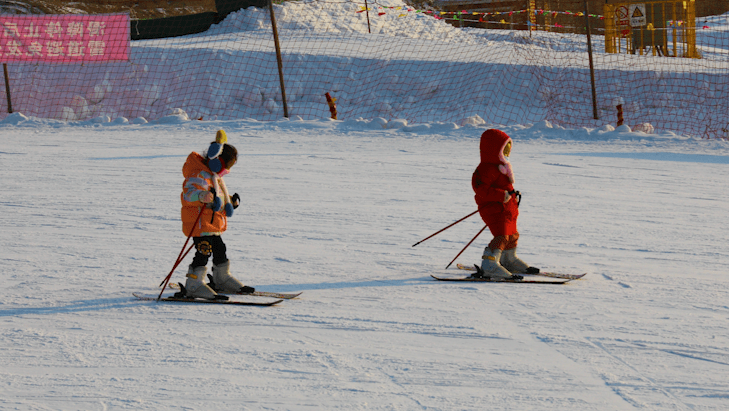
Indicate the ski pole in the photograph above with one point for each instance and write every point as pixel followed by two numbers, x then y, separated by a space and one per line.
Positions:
pixel 181 256
pixel 174 267
pixel 464 248
pixel 177 263
pixel 440 231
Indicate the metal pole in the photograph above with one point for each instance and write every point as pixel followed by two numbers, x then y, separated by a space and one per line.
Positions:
pixel 443 229
pixel 182 254
pixel 530 12
pixel 464 248
pixel 367 11
pixel 7 88
pixel 278 58
pixel 592 67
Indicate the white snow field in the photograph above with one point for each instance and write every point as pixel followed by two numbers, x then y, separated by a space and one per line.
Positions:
pixel 90 214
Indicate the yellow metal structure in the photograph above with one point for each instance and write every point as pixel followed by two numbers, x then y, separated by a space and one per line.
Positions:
pixel 666 28
pixel 532 17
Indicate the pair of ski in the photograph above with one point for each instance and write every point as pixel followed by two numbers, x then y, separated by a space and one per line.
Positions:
pixel 558 277
pixel 279 297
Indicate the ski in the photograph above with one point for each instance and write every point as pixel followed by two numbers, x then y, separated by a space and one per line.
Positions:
pixel 541 274
pixel 284 296
pixel 490 280
pixel 203 301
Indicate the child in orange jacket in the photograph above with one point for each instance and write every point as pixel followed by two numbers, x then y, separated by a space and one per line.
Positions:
pixel 204 190
pixel 493 183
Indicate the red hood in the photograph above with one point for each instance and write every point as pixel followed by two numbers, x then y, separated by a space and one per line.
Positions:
pixel 194 164
pixel 492 146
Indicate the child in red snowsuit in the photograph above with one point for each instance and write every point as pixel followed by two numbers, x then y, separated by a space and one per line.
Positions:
pixel 493 183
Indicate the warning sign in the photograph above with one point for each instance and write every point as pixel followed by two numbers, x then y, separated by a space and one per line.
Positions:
pixel 622 20
pixel 637 15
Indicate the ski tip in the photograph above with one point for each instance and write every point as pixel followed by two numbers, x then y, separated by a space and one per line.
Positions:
pixel 285 296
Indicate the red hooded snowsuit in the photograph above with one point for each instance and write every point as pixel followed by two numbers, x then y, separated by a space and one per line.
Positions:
pixel 198 179
pixel 492 178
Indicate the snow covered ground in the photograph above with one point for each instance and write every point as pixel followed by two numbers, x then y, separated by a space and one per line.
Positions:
pixel 90 214
pixel 411 66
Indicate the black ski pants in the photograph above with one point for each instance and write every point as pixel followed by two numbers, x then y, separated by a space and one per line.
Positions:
pixel 206 246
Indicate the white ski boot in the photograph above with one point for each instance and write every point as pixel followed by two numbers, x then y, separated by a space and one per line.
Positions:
pixel 223 282
pixel 195 287
pixel 490 266
pixel 514 264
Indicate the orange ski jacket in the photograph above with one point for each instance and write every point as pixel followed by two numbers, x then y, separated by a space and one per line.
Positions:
pixel 199 179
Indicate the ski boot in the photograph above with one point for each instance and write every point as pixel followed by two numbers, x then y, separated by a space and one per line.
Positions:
pixel 195 287
pixel 491 268
pixel 221 281
pixel 514 264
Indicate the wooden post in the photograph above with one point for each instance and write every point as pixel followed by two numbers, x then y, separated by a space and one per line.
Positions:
pixel 592 67
pixel 621 121
pixel 332 105
pixel 7 88
pixel 278 59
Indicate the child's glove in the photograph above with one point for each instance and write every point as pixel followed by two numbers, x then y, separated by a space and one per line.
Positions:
pixel 207 197
pixel 229 209
pixel 235 200
pixel 516 195
pixel 217 204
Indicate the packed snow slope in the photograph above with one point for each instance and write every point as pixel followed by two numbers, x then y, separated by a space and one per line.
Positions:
pixel 90 214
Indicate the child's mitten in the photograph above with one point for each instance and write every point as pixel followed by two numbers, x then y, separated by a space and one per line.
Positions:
pixel 217 204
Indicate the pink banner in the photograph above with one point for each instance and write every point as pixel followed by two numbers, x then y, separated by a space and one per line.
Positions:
pixel 64 38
